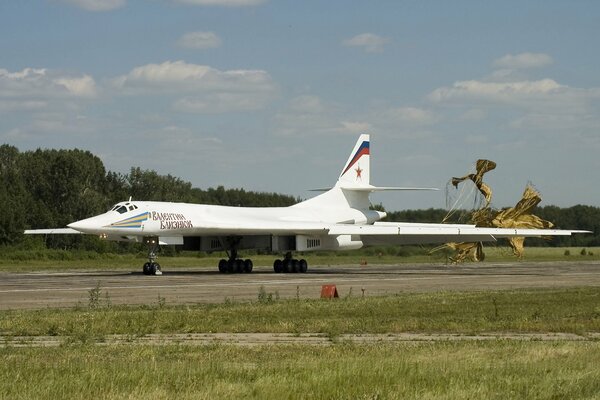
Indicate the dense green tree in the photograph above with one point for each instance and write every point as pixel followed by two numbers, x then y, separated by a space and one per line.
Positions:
pixel 13 196
pixel 436 215
pixel 149 185
pixel 65 185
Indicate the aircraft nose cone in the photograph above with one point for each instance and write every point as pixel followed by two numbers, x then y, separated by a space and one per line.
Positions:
pixel 85 225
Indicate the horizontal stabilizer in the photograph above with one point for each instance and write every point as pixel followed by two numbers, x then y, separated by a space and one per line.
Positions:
pixel 382 188
pixel 372 188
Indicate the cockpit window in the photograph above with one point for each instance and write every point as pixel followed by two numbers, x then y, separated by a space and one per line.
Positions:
pixel 123 208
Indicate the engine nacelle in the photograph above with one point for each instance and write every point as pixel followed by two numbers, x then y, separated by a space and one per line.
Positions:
pixel 346 242
pixel 340 242
pixel 374 216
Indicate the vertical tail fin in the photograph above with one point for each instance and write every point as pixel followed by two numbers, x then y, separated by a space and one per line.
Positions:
pixel 353 187
pixel 356 172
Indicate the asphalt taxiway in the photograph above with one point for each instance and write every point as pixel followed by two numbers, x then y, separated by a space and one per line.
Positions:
pixel 185 286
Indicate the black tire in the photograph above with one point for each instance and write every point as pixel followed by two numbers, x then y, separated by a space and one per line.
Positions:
pixel 294 266
pixel 146 269
pixel 278 266
pixel 248 266
pixel 302 266
pixel 222 266
pixel 152 269
pixel 239 266
pixel 230 266
pixel 287 266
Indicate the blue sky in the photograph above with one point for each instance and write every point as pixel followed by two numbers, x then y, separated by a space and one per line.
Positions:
pixel 271 95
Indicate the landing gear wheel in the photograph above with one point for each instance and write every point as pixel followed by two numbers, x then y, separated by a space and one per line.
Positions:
pixel 278 266
pixel 230 266
pixel 155 268
pixel 302 266
pixel 222 266
pixel 287 265
pixel 152 268
pixel 239 266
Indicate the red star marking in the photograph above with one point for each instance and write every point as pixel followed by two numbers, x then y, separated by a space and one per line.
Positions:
pixel 358 172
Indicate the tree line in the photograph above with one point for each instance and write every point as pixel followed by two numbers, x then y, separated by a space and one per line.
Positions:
pixel 49 188
pixel 52 188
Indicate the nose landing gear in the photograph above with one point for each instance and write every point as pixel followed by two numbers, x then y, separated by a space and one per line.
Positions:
pixel 152 267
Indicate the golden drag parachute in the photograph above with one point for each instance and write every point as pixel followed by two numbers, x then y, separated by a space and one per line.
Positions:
pixel 519 216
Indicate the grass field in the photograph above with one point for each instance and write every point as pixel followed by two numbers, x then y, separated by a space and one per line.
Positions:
pixel 543 310
pixel 85 366
pixel 447 370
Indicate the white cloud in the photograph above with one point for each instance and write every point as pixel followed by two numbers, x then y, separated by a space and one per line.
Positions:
pixel 370 42
pixel 97 5
pixel 225 3
pixel 523 61
pixel 202 89
pixel 542 106
pixel 199 40
pixel 356 127
pixel 180 76
pixel 499 91
pixel 83 86
pixel 31 88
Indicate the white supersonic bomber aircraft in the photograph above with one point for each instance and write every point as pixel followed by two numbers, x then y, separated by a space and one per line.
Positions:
pixel 339 219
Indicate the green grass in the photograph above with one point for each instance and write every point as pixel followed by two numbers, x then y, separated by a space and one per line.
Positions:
pixel 575 310
pixel 84 367
pixel 440 370
pixel 44 260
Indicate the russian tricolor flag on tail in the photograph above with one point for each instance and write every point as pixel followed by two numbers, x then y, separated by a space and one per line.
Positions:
pixel 362 150
pixel 357 169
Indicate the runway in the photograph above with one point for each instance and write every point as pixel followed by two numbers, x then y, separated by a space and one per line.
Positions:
pixel 187 286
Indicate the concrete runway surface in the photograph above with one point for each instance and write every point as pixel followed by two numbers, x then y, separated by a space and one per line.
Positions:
pixel 185 286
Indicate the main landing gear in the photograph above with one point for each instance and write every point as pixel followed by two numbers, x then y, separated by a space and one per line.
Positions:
pixel 289 264
pixel 152 267
pixel 234 264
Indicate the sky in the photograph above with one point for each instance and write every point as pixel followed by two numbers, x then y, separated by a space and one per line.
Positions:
pixel 271 95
